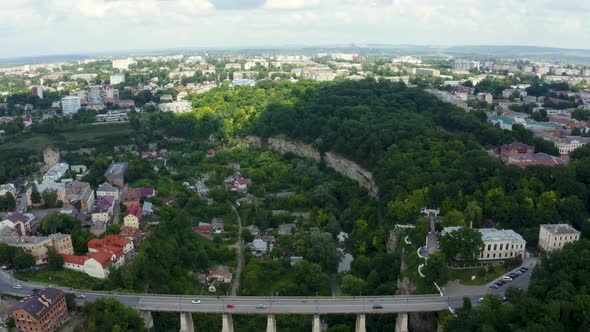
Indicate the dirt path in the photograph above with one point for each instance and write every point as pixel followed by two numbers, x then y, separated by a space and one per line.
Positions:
pixel 236 280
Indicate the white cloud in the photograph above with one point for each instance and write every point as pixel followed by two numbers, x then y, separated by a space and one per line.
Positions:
pixel 65 26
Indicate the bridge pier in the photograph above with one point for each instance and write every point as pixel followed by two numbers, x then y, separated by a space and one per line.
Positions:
pixel 147 319
pixel 186 322
pixel 317 325
pixel 227 323
pixel 401 322
pixel 360 323
pixel 271 323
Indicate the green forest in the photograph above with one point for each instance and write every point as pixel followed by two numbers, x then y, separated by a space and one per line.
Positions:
pixel 422 151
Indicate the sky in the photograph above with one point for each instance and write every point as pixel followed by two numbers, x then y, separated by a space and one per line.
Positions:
pixel 44 27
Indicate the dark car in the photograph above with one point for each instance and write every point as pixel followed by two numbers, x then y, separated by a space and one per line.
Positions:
pixel 377 306
pixel 494 286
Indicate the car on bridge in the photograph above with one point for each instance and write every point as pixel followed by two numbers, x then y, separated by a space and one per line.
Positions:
pixel 230 306
pixel 261 306
pixel 196 301
pixel 377 306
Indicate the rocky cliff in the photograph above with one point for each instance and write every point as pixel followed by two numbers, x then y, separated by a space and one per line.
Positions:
pixel 340 164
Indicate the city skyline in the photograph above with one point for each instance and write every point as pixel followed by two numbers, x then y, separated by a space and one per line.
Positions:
pixel 33 27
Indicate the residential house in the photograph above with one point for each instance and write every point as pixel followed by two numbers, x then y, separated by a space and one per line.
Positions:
pixel 8 188
pixel 220 273
pixel 555 237
pixel 107 189
pixel 130 198
pixel 147 208
pixel 286 229
pixel 217 225
pixel 515 149
pixel 103 210
pixel 133 216
pixel 147 192
pixel 45 310
pixel 18 222
pixel 115 174
pixel 133 234
pixel 204 228
pixel 262 245
pixel 168 200
pixel 254 230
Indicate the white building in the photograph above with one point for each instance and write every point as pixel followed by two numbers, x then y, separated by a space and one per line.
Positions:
pixel 465 65
pixel 107 189
pixel 176 107
pixel 567 145
pixel 499 244
pixel 320 73
pixel 70 105
pixel 554 237
pixel 123 63
pixel 37 90
pixel 56 172
pixel 117 78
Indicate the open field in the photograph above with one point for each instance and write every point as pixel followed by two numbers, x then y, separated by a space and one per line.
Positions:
pixel 80 137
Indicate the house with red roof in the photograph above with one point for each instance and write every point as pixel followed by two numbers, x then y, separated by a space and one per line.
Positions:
pixel 168 200
pixel 130 197
pixel 74 262
pixel 204 228
pixel 102 254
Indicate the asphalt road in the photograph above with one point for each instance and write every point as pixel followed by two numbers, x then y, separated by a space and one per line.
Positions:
pixel 274 305
pixel 248 305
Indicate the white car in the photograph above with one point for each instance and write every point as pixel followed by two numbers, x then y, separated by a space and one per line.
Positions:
pixel 507 278
pixel 17 286
pixel 196 301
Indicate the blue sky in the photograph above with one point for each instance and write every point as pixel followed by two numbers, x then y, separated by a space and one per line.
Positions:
pixel 40 27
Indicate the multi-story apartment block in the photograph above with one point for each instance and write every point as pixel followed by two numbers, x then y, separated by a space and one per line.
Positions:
pixel 44 311
pixel 70 104
pixel 37 245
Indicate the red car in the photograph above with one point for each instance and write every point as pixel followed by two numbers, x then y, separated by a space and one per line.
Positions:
pixel 229 305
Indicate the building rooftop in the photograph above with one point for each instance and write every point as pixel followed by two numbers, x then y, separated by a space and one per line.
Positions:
pixel 19 240
pixel 492 234
pixel 39 303
pixel 560 229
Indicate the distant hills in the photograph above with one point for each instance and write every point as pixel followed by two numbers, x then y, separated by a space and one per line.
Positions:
pixel 479 51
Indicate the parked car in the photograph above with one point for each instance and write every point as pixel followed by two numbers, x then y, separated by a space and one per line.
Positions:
pixel 261 306
pixel 494 286
pixel 230 306
pixel 377 306
pixel 480 300
pixel 499 283
pixel 506 278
